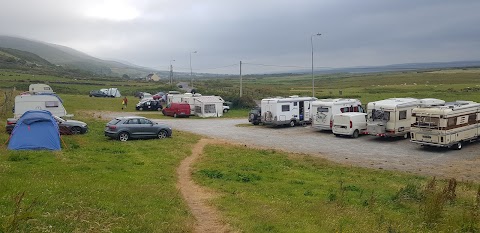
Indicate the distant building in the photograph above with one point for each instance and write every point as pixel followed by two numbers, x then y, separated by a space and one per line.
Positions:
pixel 153 77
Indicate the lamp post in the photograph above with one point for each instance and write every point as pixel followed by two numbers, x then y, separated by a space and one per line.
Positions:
pixel 191 72
pixel 171 72
pixel 313 79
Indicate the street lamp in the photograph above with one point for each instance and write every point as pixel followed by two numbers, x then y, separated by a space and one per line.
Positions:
pixel 171 72
pixel 313 79
pixel 191 72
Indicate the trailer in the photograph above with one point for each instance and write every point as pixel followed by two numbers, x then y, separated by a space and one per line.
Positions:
pixel 393 117
pixel 49 102
pixel 40 88
pixel 449 126
pixel 291 111
pixel 324 109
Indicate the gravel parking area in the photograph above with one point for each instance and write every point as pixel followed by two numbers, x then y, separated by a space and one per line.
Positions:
pixel 366 151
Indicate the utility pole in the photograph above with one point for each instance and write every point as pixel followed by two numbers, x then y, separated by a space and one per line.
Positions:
pixel 241 87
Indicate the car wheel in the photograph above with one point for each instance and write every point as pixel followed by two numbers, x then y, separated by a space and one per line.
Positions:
pixel 76 130
pixel 458 146
pixel 292 123
pixel 175 115
pixel 405 136
pixel 141 109
pixel 90 95
pixel 123 136
pixel 162 134
pixel 355 134
pixel 255 123
pixel 225 110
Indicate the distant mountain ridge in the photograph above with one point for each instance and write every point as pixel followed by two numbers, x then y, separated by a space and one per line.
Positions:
pixel 71 58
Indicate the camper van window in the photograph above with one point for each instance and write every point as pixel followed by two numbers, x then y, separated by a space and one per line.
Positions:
pixel 452 121
pixel 360 109
pixel 322 109
pixel 285 108
pixel 46 88
pixel 294 103
pixel 472 118
pixel 210 108
pixel 402 115
pixel 51 104
pixel 428 122
pixel 198 109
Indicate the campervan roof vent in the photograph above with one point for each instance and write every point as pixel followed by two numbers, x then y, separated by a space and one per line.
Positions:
pixel 293 96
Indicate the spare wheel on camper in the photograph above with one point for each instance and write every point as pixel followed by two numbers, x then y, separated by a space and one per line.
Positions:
pixel 35 130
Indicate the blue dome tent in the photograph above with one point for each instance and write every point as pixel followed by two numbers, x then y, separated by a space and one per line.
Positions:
pixel 35 130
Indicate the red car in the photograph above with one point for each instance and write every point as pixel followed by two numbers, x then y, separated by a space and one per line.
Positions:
pixel 177 110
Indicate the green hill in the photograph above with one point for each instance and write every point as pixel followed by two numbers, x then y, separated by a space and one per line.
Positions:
pixel 72 59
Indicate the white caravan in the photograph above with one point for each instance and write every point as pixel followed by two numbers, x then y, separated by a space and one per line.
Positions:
pixel 393 117
pixel 324 109
pixel 350 124
pixel 207 106
pixel 287 111
pixel 40 88
pixel 446 126
pixel 49 102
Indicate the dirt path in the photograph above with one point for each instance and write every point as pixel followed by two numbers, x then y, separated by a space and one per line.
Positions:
pixel 197 197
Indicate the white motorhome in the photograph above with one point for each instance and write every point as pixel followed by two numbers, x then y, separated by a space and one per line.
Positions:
pixel 49 102
pixel 324 109
pixel 446 126
pixel 393 117
pixel 350 123
pixel 40 88
pixel 287 111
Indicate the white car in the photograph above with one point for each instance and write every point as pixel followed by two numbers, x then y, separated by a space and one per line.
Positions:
pixel 350 124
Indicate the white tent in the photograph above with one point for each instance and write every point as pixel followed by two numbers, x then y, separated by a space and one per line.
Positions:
pixel 114 92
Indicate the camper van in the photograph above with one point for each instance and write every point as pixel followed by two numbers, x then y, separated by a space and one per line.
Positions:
pixel 393 117
pixel 446 126
pixel 40 88
pixel 324 109
pixel 49 102
pixel 286 111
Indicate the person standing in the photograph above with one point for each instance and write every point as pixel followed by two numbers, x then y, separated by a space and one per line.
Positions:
pixel 124 102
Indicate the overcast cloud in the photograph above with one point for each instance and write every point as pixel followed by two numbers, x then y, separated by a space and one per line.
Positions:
pixel 273 32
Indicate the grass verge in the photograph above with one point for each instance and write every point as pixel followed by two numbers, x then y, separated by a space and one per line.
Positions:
pixel 269 191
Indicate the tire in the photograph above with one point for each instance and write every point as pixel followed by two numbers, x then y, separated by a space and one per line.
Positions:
pixel 292 123
pixel 76 130
pixel 175 115
pixel 405 136
pixel 458 146
pixel 255 123
pixel 225 110
pixel 140 109
pixel 162 134
pixel 355 134
pixel 123 136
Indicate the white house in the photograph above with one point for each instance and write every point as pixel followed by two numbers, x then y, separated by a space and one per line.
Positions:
pixel 153 77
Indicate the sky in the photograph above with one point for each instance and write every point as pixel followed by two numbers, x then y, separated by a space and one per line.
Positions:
pixel 266 35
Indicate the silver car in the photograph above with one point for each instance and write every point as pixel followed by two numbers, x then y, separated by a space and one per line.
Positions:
pixel 124 128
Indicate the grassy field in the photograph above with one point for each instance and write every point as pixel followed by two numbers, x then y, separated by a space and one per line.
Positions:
pixel 269 191
pixel 95 184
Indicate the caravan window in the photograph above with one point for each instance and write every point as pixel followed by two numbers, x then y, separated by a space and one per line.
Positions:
pixel 472 118
pixel 210 108
pixel 285 108
pixel 380 115
pixel 51 104
pixel 322 109
pixel 402 115
pixel 428 122
pixel 294 103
